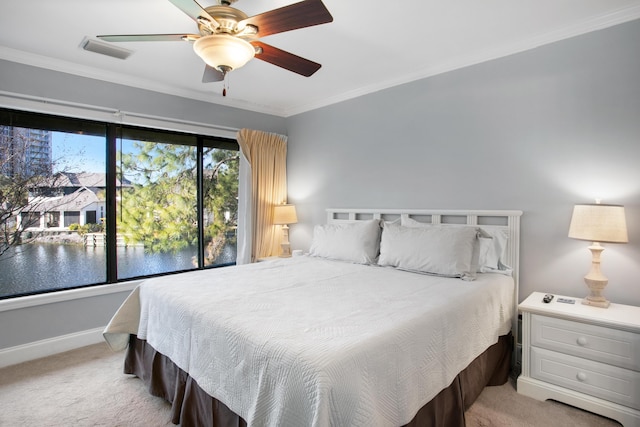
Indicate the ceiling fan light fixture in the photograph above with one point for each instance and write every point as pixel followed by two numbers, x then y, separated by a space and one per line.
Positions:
pixel 223 51
pixel 247 31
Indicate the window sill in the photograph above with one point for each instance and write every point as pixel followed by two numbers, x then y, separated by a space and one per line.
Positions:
pixel 72 294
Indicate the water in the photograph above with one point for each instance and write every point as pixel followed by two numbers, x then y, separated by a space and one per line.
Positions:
pixel 42 267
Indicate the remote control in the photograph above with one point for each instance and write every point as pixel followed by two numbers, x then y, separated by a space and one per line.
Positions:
pixel 547 298
pixel 566 300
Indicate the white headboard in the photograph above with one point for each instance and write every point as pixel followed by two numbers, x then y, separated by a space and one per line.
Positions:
pixel 508 220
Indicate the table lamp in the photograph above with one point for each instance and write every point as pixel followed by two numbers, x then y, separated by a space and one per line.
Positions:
pixel 285 215
pixel 598 223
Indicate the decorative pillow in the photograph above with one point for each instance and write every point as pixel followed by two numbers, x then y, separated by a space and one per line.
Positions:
pixel 440 250
pixel 357 242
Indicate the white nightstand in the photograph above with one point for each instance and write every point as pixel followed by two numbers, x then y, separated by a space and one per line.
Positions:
pixel 585 356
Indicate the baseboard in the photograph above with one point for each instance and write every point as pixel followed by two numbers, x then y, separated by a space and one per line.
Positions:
pixel 36 350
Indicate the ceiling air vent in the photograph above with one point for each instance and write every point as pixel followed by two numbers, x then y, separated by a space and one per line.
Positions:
pixel 105 48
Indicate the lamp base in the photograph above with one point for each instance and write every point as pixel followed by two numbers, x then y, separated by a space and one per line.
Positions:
pixel 604 303
pixel 286 250
pixel 595 280
pixel 285 245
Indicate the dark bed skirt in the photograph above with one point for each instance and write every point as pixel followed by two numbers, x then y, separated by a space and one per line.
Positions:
pixel 191 406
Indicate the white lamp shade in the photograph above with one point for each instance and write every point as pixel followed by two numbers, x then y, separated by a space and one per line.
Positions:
pixel 599 223
pixel 222 50
pixel 284 214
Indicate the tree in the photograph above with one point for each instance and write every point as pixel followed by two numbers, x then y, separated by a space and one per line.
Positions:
pixel 160 211
pixel 220 189
pixel 24 179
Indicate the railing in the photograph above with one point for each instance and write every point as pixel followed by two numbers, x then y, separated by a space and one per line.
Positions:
pixel 100 239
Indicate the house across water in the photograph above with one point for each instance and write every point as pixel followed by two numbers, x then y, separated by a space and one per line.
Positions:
pixel 75 198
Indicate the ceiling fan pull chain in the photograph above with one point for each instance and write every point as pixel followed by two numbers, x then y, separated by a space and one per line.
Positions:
pixel 225 84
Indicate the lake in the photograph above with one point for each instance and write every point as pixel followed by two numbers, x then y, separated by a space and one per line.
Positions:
pixel 41 267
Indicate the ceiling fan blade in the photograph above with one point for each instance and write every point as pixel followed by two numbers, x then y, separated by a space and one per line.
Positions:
pixel 286 60
pixel 306 13
pixel 211 75
pixel 149 37
pixel 194 11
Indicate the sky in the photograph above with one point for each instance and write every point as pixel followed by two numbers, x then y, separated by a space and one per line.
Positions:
pixel 78 153
pixel 72 152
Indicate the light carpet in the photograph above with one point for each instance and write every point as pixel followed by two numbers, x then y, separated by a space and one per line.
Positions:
pixel 86 387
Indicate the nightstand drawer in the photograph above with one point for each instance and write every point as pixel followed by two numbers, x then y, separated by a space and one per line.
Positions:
pixel 611 346
pixel 593 378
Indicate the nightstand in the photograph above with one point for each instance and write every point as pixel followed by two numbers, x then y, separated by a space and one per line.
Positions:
pixel 587 357
pixel 268 258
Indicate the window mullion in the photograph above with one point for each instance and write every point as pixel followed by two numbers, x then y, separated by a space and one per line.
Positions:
pixel 111 190
pixel 200 202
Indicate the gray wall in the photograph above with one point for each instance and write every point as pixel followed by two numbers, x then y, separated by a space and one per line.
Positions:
pixel 30 324
pixel 538 131
pixel 42 322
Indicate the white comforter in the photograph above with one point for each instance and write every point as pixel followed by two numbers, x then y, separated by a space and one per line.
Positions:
pixel 312 342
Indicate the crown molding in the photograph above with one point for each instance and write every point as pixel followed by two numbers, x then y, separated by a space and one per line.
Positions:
pixel 80 70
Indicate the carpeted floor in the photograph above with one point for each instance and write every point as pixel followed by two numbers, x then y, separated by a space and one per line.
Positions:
pixel 502 406
pixel 86 387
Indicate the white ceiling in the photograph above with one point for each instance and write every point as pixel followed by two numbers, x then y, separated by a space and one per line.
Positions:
pixel 370 45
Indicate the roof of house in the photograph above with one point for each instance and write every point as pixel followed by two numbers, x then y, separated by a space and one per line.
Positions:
pixel 75 201
pixel 88 179
pixel 83 179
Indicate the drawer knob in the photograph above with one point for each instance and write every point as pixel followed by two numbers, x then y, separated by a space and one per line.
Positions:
pixel 581 376
pixel 582 341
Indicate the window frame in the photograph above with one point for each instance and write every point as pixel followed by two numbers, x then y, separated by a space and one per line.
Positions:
pixel 112 132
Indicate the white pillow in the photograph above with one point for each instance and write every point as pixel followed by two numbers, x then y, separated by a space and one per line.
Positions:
pixel 357 242
pixel 475 257
pixel 492 252
pixel 441 250
pixel 489 254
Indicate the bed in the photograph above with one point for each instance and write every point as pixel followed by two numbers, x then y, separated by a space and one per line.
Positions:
pixel 396 317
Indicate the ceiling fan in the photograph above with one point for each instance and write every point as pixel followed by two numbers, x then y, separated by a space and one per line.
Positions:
pixel 228 38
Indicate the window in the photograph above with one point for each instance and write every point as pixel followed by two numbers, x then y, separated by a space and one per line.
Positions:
pixel 85 203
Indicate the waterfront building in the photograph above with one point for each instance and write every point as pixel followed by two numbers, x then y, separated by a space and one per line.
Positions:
pixel 77 198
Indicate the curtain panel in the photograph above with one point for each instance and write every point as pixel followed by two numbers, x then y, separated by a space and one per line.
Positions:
pixel 266 172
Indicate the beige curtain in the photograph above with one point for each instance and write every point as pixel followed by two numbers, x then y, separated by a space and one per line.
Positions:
pixel 266 153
